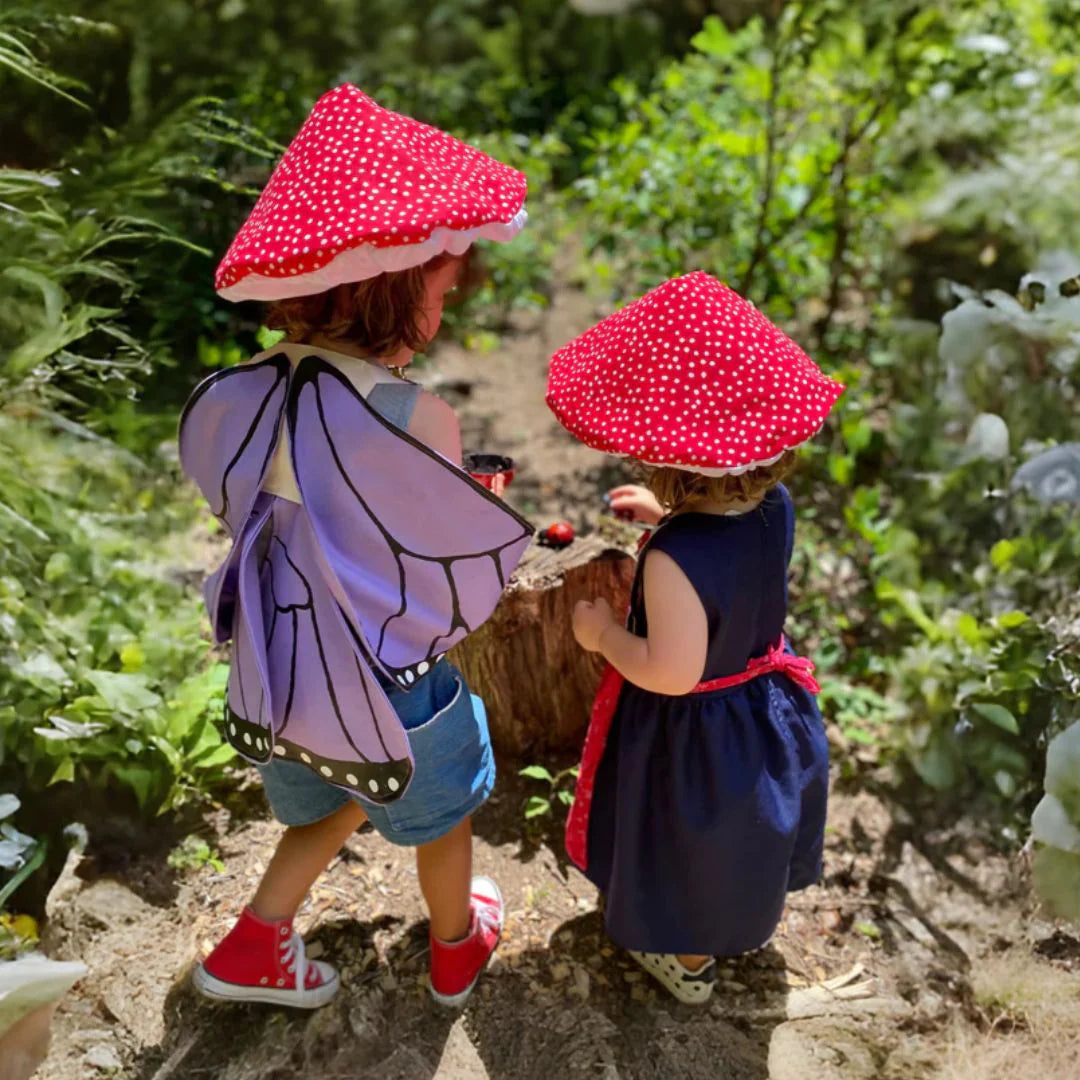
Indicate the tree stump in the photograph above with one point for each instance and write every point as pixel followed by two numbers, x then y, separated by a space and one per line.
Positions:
pixel 536 681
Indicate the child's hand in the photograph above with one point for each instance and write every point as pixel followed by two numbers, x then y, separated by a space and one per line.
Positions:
pixel 591 619
pixel 637 502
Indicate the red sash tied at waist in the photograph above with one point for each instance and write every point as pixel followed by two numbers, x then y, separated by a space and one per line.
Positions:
pixel 799 669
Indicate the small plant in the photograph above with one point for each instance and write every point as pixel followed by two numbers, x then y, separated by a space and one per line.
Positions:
pixel 1055 828
pixel 193 853
pixel 559 786
pixel 20 856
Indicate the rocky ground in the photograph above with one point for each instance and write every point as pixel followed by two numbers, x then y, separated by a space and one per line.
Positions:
pixel 919 956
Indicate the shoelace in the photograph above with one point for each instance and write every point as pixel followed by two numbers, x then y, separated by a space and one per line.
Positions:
pixel 486 913
pixel 294 956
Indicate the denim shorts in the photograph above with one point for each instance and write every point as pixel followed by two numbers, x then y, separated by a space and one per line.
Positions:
pixel 454 766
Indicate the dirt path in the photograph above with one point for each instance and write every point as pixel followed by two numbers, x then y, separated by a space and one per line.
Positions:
pixel 499 397
pixel 919 956
pixel 907 930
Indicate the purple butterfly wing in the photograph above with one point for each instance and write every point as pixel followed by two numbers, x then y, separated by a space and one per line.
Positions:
pixel 418 552
pixel 249 704
pixel 228 432
pixel 330 713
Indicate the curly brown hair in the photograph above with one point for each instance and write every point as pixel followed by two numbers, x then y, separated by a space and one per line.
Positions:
pixel 379 316
pixel 678 490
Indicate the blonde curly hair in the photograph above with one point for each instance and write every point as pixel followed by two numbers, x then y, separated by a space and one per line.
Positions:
pixel 678 490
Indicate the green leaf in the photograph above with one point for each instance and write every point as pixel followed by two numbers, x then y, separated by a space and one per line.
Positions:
pixel 736 143
pixel 997 714
pixel 868 929
pixel 1057 880
pixel 1050 824
pixel 32 863
pixel 566 798
pixel 172 755
pixel 13 181
pixel 268 338
pixel 936 763
pixel 132 657
pixel 715 39
pixel 41 671
pixel 52 296
pixel 841 468
pixel 51 339
pixel 537 806
pixel 857 434
pixel 1006 783
pixel 140 779
pixel 58 566
pixel 537 772
pixel 125 692
pixel 1003 553
pixel 860 736
pixel 214 757
pixel 967 626
pixel 64 772
pixel 1063 770
pixel 1010 620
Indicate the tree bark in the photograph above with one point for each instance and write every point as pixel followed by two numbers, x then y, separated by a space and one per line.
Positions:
pixel 536 681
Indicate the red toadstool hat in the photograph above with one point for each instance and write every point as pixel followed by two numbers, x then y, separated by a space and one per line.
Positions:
pixel 691 376
pixel 362 190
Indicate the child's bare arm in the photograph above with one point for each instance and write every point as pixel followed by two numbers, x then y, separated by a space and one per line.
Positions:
pixel 671 660
pixel 435 424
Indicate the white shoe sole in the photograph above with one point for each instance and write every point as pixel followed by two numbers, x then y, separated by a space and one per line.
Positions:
pixel 219 990
pixel 456 1001
pixel 689 987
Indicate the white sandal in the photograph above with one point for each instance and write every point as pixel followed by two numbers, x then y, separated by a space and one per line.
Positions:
pixel 690 987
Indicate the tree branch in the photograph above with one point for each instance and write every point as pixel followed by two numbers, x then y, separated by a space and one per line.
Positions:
pixel 761 237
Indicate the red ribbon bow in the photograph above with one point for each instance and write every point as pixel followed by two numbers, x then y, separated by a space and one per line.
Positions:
pixel 799 669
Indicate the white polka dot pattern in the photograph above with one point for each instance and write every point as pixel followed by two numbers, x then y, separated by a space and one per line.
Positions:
pixel 361 190
pixel 692 376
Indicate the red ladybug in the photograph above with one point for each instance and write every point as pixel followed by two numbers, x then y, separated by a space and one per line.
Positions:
pixel 558 535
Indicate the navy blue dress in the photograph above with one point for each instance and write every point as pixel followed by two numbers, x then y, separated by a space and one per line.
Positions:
pixel 709 808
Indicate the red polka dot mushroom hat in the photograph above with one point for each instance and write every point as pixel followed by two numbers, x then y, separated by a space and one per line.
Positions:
pixel 360 191
pixel 690 376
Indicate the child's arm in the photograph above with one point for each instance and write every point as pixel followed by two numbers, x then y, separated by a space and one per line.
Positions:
pixel 435 424
pixel 671 660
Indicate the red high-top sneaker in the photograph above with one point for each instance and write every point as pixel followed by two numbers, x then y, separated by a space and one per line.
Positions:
pixel 456 965
pixel 265 961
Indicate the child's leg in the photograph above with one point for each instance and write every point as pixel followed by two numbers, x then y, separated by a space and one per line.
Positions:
pixel 302 854
pixel 444 868
pixel 262 958
pixel 466 914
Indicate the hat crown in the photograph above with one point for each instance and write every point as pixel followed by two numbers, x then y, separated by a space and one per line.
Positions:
pixel 361 190
pixel 690 375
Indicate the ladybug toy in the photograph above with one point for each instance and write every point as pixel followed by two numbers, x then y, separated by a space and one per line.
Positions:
pixel 559 535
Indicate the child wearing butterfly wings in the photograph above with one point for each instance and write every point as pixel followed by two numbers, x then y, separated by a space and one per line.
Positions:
pixel 701 796
pixel 361 552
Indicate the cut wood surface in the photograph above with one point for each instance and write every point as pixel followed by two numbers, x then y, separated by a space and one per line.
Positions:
pixel 536 681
